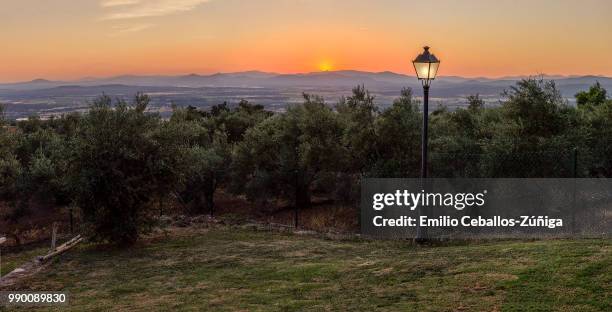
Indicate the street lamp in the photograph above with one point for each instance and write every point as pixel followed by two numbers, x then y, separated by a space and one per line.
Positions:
pixel 426 67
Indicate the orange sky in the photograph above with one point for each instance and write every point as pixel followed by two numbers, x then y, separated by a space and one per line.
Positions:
pixel 70 39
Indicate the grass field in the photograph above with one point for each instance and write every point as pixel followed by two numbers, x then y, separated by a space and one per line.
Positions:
pixel 11 261
pixel 242 270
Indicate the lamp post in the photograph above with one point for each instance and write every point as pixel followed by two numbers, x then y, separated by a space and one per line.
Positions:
pixel 426 67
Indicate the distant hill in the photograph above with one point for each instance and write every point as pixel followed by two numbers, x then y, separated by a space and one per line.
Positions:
pixel 274 91
pixel 443 86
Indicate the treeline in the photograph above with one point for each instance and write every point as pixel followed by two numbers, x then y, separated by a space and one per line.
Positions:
pixel 117 162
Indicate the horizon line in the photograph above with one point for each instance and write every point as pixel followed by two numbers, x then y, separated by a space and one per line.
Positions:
pixel 203 74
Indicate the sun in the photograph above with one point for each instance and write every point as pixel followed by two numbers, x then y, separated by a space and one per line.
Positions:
pixel 325 66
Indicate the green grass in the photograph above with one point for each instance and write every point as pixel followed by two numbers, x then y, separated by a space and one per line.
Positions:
pixel 239 270
pixel 11 261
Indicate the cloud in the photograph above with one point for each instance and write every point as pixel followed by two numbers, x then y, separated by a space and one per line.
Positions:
pixel 127 9
pixel 113 3
pixel 132 28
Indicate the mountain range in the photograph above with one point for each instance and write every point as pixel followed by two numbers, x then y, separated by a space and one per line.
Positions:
pixel 269 89
pixel 343 78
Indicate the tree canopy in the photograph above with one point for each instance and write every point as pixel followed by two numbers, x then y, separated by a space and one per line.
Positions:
pixel 118 163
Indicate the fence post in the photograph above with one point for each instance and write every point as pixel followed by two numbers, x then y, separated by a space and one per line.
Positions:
pixel 575 175
pixel 296 211
pixel 71 219
pixel 2 240
pixel 359 203
pixel 53 235
pixel 160 206
pixel 575 161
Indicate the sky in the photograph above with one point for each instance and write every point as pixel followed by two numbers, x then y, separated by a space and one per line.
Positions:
pixel 73 39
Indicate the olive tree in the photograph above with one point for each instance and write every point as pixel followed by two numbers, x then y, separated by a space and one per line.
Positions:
pixel 118 167
pixel 284 155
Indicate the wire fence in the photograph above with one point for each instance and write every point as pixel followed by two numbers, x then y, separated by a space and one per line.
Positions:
pixel 343 189
pixel 540 164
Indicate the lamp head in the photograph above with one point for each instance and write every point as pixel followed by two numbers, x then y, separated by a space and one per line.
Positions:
pixel 426 66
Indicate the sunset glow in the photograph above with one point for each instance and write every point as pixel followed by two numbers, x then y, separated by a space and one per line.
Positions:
pixel 326 66
pixel 71 39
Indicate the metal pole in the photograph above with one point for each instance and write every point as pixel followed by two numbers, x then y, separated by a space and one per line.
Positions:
pixel 421 235
pixel 296 217
pixel 424 132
